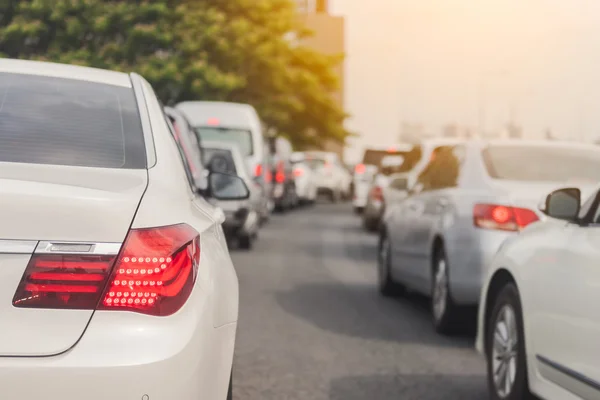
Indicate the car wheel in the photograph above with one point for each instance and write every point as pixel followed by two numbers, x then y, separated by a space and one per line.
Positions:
pixel 371 224
pixel 505 348
pixel 443 310
pixel 245 242
pixel 358 210
pixel 386 284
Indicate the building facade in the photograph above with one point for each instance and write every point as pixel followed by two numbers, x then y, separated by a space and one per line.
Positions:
pixel 328 38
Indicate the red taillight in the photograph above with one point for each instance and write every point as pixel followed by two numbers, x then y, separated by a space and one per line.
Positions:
pixel 258 171
pixel 280 177
pixel 506 218
pixel 377 193
pixel 153 274
pixel 63 281
pixel 360 169
pixel 298 172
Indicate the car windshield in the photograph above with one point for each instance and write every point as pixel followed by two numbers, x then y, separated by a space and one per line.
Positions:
pixel 410 159
pixel 48 120
pixel 240 137
pixel 542 163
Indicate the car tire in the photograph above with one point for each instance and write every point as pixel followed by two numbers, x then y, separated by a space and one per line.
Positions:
pixel 245 242
pixel 386 284
pixel 358 210
pixel 507 349
pixel 445 313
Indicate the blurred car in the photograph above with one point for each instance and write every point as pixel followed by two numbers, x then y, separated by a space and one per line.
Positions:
pixel 306 185
pixel 376 201
pixel 331 176
pixel 114 267
pixel 284 185
pixel 467 200
pixel 389 190
pixel 365 172
pixel 241 216
pixel 233 123
pixel 538 320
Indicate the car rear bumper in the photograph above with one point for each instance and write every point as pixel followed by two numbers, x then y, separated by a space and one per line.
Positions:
pixel 125 356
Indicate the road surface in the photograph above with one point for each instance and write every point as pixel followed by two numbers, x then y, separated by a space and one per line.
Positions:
pixel 312 325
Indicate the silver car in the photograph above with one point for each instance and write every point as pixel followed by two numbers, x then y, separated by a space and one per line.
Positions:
pixel 464 203
pixel 242 217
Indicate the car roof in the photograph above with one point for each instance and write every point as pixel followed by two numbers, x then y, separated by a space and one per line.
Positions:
pixel 56 70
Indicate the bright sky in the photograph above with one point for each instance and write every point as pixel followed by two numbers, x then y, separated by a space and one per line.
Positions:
pixel 425 61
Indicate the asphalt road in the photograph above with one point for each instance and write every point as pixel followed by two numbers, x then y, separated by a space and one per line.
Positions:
pixel 312 325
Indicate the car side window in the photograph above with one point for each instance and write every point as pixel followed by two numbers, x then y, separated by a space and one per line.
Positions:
pixel 443 170
pixel 186 165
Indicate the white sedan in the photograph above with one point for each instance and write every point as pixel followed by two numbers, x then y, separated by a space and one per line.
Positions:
pixel 538 321
pixel 116 278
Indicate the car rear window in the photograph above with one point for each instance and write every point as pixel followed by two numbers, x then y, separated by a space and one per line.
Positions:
pixel 542 163
pixel 241 137
pixel 411 158
pixel 46 120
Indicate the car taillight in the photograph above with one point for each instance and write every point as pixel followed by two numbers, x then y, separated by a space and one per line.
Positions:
pixel 506 218
pixel 377 193
pixel 258 171
pixel 360 169
pixel 63 281
pixel 153 274
pixel 280 177
pixel 298 172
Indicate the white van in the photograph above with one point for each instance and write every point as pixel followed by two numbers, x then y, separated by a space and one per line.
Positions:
pixel 233 123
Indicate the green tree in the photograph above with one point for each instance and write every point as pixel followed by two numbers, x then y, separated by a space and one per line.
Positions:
pixel 230 50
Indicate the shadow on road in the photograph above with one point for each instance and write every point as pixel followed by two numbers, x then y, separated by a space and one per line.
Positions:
pixel 359 311
pixel 409 387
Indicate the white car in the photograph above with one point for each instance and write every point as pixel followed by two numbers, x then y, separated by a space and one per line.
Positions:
pixel 304 175
pixel 116 278
pixel 365 173
pixel 538 321
pixel 332 177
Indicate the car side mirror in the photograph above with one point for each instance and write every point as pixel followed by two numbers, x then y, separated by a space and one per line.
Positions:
pixel 227 187
pixel 562 204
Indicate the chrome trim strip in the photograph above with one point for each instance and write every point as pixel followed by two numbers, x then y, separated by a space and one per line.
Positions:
pixel 47 247
pixel 17 246
pixel 582 381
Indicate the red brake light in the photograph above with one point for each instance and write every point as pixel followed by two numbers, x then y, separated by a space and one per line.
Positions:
pixel 153 274
pixel 259 170
pixel 298 172
pixel 66 281
pixel 377 193
pixel 360 169
pixel 280 177
pixel 391 149
pixel 506 218
pixel 213 121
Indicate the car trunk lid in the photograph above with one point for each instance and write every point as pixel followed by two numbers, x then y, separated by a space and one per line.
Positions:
pixel 45 204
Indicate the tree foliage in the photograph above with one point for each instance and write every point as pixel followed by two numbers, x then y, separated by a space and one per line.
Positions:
pixel 230 50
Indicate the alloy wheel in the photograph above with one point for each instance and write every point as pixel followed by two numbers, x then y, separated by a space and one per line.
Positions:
pixel 440 290
pixel 504 351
